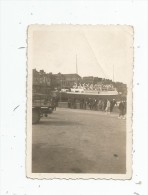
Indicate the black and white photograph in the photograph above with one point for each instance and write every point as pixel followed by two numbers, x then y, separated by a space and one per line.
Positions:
pixel 79 106
pixel 73 97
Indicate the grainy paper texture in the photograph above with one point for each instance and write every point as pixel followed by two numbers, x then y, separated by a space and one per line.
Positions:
pixel 79 97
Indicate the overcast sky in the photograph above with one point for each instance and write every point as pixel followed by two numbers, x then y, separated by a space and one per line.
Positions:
pixel 99 50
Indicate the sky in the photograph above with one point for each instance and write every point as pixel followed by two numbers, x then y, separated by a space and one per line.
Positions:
pixel 102 51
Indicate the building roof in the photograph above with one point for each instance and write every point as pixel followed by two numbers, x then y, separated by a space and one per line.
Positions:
pixel 71 75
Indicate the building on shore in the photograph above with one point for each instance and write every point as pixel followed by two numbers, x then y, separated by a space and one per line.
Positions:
pixel 60 81
pixel 57 81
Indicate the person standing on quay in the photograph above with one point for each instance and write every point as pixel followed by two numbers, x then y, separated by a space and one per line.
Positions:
pixel 108 107
pixel 69 103
pixel 112 104
pixel 104 104
pixel 121 110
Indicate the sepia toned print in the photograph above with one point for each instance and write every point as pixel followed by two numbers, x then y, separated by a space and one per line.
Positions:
pixel 79 101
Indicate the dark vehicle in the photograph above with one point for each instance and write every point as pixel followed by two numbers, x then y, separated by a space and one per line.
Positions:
pixel 42 105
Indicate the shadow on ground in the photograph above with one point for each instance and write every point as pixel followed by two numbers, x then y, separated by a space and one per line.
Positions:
pixel 57 159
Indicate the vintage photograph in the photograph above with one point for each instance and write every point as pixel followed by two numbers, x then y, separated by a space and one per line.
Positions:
pixel 79 101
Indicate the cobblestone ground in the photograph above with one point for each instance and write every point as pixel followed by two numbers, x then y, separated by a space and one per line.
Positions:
pixel 79 141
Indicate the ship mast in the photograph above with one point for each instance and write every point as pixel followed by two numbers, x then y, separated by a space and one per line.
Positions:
pixel 113 72
pixel 76 65
pixel 76 69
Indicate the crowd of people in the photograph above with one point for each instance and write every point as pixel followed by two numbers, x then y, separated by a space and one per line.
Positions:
pixel 94 87
pixel 98 104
